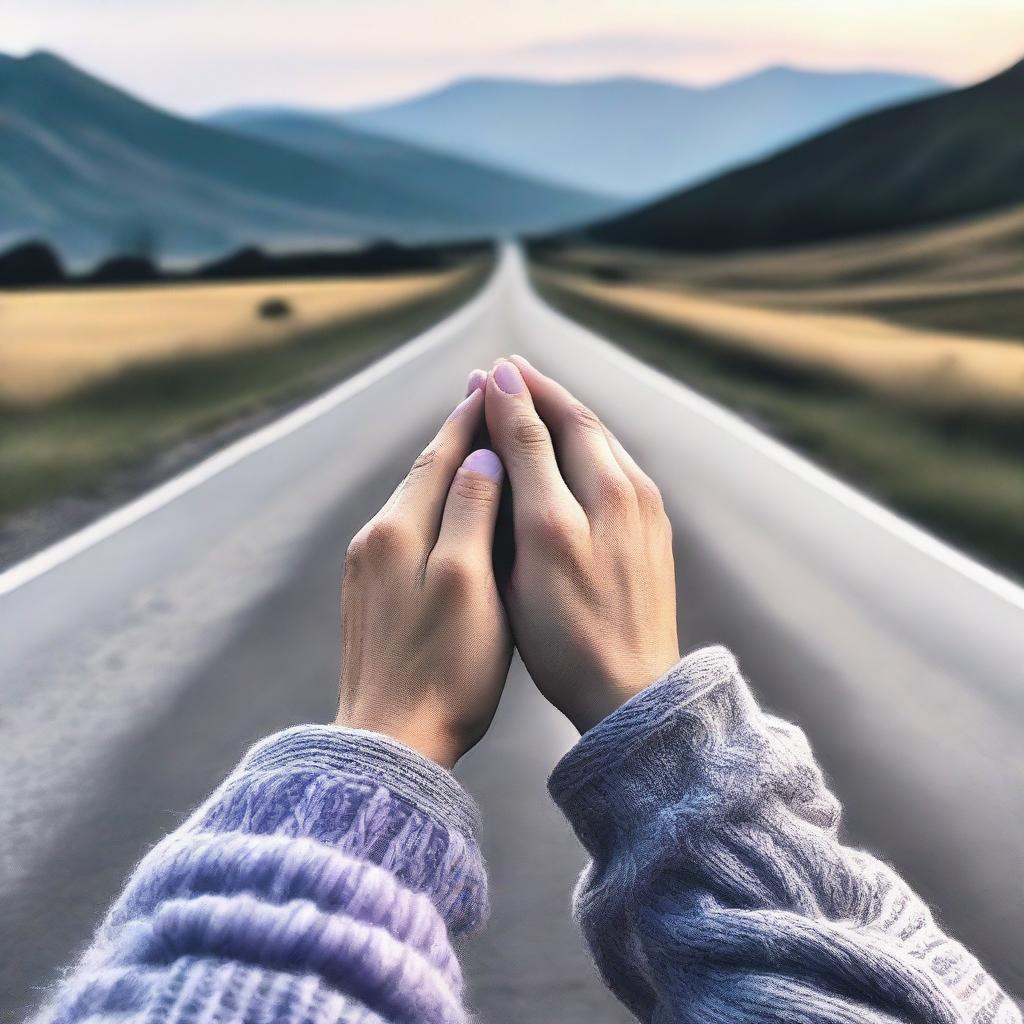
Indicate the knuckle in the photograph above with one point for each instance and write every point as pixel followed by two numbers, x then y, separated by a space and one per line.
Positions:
pixel 666 526
pixel 551 528
pixel 454 573
pixel 616 492
pixel 584 417
pixel 530 435
pixel 355 556
pixel 649 496
pixel 474 489
pixel 426 458
pixel 386 537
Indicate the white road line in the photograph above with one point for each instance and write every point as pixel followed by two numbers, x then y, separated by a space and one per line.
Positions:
pixel 992 581
pixel 64 550
pixel 921 540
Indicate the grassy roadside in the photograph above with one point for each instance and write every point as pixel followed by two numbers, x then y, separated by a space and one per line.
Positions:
pixel 59 340
pixel 957 471
pixel 914 365
pixel 962 278
pixel 74 443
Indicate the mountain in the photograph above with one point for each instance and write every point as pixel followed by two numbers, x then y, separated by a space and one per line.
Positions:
pixel 92 170
pixel 633 137
pixel 953 155
pixel 489 196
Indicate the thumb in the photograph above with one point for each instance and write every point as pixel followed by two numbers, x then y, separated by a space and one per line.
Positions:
pixel 471 509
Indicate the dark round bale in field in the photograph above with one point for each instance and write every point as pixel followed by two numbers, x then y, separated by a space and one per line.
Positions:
pixel 274 308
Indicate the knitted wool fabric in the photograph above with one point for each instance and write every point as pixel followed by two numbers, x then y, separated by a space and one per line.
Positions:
pixel 324 881
pixel 719 893
pixel 321 883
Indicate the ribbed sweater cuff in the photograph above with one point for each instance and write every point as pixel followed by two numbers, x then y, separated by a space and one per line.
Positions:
pixel 364 796
pixel 371 756
pixel 612 773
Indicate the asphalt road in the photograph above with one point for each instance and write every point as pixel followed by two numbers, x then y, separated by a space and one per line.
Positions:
pixel 136 669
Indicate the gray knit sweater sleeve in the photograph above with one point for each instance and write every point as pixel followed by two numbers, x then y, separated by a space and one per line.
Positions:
pixel 322 883
pixel 718 891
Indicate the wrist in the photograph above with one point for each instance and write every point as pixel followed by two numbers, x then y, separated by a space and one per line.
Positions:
pixel 601 703
pixel 429 741
pixel 433 746
pixel 598 702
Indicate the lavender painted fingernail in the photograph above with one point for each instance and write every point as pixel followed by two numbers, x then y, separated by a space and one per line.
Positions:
pixel 477 381
pixel 485 462
pixel 463 405
pixel 508 377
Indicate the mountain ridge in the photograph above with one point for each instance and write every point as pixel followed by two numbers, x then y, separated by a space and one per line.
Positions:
pixel 458 179
pixel 631 136
pixel 92 170
pixel 955 154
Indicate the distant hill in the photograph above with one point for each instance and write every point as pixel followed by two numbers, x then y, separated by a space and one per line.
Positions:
pixel 92 170
pixel 493 198
pixel 953 155
pixel 633 137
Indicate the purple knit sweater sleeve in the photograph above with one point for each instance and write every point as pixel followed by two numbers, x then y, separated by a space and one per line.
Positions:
pixel 322 882
pixel 719 892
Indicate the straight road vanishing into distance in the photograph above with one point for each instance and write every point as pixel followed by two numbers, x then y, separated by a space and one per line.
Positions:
pixel 139 659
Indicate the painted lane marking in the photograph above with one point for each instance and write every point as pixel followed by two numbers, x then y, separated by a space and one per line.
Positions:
pixel 152 501
pixel 801 467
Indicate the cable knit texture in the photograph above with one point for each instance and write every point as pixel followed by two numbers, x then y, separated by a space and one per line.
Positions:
pixel 324 881
pixel 321 883
pixel 719 892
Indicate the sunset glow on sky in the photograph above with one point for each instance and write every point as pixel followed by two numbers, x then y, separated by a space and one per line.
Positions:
pixel 197 55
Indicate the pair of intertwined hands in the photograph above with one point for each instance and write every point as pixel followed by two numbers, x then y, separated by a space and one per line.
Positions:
pixel 589 598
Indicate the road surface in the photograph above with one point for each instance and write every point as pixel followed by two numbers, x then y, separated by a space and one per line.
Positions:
pixel 139 659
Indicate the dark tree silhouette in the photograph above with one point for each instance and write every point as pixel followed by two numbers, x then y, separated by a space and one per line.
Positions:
pixel 30 263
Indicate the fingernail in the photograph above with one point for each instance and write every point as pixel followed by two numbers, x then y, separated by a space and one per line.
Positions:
pixel 508 377
pixel 464 404
pixel 485 462
pixel 523 360
pixel 477 381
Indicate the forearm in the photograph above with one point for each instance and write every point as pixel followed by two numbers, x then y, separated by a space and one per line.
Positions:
pixel 323 881
pixel 719 890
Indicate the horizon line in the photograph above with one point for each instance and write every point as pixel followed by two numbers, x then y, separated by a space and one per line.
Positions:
pixel 528 78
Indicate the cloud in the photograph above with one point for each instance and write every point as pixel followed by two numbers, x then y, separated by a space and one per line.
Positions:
pixel 621 45
pixel 194 55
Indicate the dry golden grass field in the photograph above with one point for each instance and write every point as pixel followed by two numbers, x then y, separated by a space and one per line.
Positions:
pixel 932 365
pixel 104 391
pixel 974 253
pixel 898 361
pixel 53 342
pixel 965 278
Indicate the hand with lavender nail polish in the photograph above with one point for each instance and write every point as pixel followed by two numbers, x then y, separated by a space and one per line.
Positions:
pixel 426 641
pixel 591 594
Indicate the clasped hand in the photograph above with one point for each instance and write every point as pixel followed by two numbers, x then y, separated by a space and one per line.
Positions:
pixel 590 599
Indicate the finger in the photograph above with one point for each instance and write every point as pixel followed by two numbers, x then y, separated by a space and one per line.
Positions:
pixel 471 511
pixel 477 381
pixel 522 441
pixel 419 499
pixel 629 465
pixel 648 495
pixel 591 469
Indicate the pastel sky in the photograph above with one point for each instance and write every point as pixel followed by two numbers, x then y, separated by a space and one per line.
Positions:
pixel 198 55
